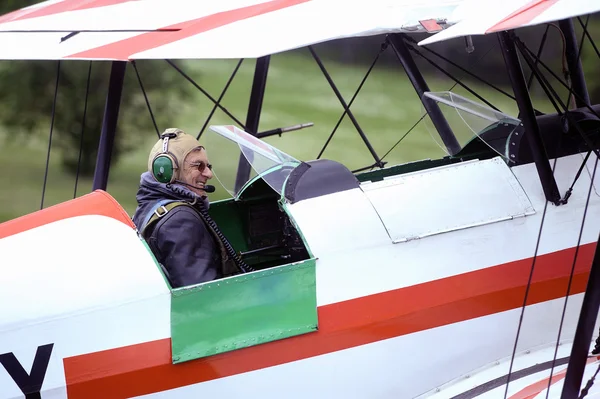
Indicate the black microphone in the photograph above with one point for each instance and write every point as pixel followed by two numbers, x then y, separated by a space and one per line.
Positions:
pixel 207 188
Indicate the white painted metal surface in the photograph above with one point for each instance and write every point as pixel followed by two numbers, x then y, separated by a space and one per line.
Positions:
pixel 203 29
pixel 356 258
pixel 484 17
pixel 448 198
pixel 84 284
pixel 401 367
pixel 73 272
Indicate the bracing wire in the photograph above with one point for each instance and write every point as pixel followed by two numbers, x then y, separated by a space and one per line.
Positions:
pixel 589 384
pixel 197 86
pixel 562 318
pixel 570 97
pixel 454 64
pixel 406 134
pixel 526 55
pixel 464 86
pixel 340 98
pixel 51 131
pixel 539 55
pixel 585 31
pixel 580 230
pixel 559 80
pixel 533 263
pixel 235 71
pixel 544 82
pixel 423 116
pixel 145 97
pixel 383 48
pixel 85 104
pixel 537 246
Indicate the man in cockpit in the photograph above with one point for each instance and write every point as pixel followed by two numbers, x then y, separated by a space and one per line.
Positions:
pixel 172 211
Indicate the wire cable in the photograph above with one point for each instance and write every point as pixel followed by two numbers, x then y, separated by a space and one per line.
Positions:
pixel 423 116
pixel 85 104
pixel 383 48
pixel 197 86
pixel 51 131
pixel 145 97
pixel 235 70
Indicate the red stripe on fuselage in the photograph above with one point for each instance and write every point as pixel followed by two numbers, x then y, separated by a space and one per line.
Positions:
pixel 123 49
pixel 146 368
pixel 57 8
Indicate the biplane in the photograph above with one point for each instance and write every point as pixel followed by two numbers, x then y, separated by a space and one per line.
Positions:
pixel 470 276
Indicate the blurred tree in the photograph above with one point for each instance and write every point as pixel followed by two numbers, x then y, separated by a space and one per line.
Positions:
pixel 27 93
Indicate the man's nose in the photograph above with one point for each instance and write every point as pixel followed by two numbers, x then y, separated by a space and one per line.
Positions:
pixel 207 173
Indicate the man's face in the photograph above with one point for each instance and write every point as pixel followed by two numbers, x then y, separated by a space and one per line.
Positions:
pixel 196 171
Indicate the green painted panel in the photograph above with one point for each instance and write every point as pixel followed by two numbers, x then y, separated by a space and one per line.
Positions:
pixel 243 311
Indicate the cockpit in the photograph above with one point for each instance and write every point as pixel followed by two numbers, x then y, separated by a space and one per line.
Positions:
pixel 260 180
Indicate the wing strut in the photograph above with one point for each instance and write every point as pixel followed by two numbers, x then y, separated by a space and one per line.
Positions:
pixel 574 63
pixel 584 331
pixel 418 82
pixel 253 116
pixel 109 124
pixel 533 136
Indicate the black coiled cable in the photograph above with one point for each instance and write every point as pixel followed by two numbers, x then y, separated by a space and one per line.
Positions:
pixel 245 268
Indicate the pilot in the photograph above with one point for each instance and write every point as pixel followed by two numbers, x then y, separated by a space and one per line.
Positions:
pixel 172 211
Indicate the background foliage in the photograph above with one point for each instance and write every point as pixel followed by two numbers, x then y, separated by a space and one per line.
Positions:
pixel 386 108
pixel 27 94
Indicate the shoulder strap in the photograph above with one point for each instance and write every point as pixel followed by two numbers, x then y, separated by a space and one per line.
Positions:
pixel 158 210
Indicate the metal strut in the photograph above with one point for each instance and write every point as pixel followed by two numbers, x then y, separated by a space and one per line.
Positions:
pixel 212 111
pixel 574 63
pixel 51 131
pixel 197 86
pixel 418 82
pixel 448 74
pixel 383 48
pixel 454 64
pixel 346 108
pixel 253 116
pixel 533 136
pixel 109 124
pixel 584 331
pixel 139 78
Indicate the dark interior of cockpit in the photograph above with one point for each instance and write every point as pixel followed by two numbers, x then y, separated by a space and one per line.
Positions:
pixel 257 225
pixel 258 228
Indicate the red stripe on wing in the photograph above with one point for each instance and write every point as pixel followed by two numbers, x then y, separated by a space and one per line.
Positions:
pixel 523 15
pixel 123 49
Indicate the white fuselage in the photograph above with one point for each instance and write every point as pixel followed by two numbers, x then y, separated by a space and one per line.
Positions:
pixel 408 303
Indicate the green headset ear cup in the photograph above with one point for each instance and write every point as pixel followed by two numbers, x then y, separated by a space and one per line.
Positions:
pixel 163 168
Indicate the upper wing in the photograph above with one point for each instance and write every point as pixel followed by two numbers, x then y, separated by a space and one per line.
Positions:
pixel 178 29
pixel 482 17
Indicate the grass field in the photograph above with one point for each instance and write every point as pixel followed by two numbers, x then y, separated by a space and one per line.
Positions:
pixel 296 93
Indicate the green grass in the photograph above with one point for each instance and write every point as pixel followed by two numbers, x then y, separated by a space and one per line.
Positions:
pixel 296 93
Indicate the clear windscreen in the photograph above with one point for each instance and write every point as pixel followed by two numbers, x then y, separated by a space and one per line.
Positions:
pixel 468 119
pixel 239 157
